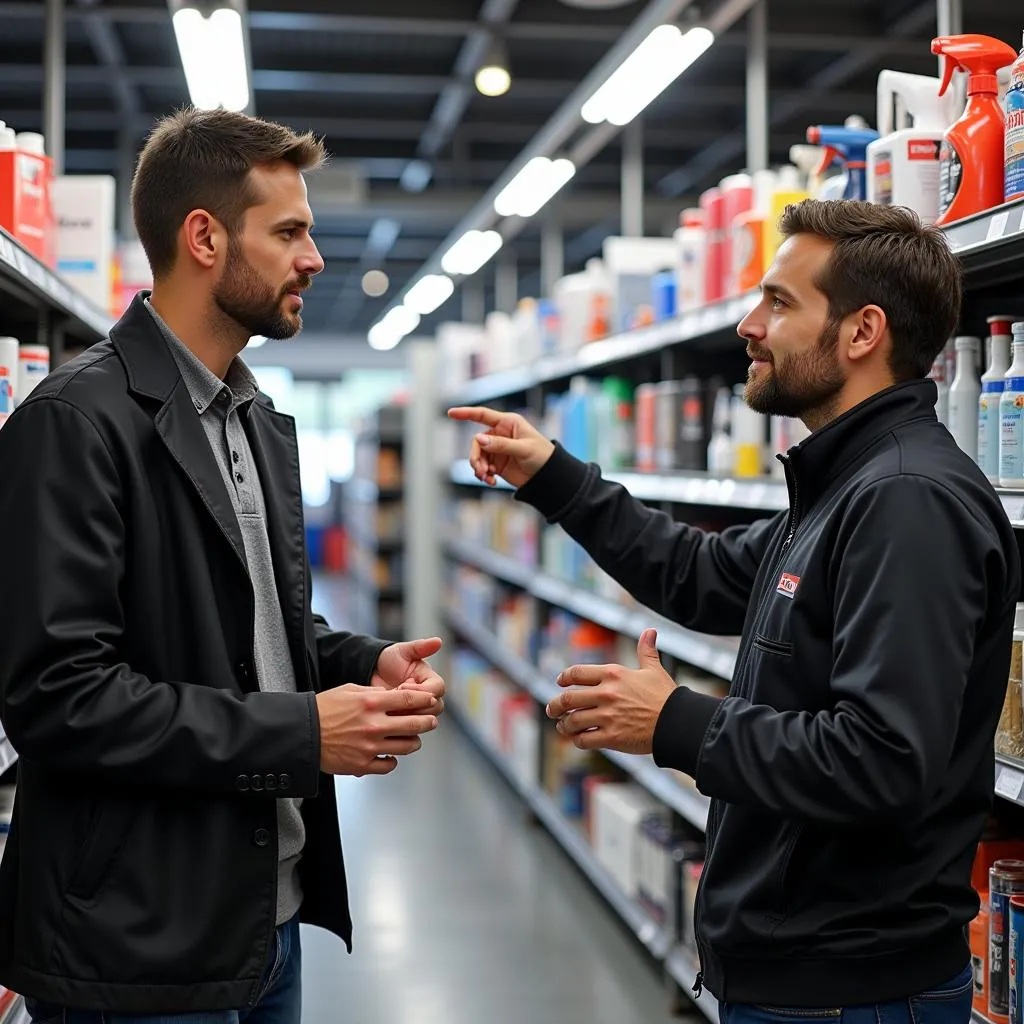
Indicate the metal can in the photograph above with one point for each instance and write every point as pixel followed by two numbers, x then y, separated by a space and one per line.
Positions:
pixel 1006 879
pixel 646 417
pixel 1016 971
pixel 666 423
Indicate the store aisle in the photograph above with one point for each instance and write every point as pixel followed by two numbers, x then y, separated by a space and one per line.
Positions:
pixel 466 913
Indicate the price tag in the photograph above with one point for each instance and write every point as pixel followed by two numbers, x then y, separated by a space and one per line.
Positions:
pixel 997 225
pixel 1009 783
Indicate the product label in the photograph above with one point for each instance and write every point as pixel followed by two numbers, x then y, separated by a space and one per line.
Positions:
pixel 1014 995
pixel 951 175
pixel 1011 436
pixel 1015 132
pixel 882 178
pixel 998 954
pixel 988 434
pixel 924 150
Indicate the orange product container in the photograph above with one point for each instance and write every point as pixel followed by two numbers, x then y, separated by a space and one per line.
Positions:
pixel 646 419
pixel 712 202
pixel 26 206
pixel 979 956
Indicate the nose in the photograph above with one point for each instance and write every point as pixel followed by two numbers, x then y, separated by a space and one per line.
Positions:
pixel 752 326
pixel 311 262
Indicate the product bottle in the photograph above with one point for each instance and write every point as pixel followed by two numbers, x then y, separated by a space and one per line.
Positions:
pixel 748 436
pixel 992 385
pixel 749 231
pixel 691 441
pixel 973 156
pixel 692 241
pixel 849 146
pixel 667 410
pixel 712 202
pixel 1014 107
pixel 720 449
pixel 903 165
pixel 737 199
pixel 646 412
pixel 8 377
pixel 1011 417
pixel 964 394
pixel 938 376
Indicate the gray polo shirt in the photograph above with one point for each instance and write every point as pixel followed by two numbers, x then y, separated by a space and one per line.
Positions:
pixel 221 406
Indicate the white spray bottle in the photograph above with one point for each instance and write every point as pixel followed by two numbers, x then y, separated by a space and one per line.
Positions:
pixel 903 165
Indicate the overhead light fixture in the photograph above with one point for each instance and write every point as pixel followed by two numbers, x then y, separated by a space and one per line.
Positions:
pixel 392 328
pixel 213 57
pixel 375 283
pixel 429 294
pixel 646 73
pixel 493 77
pixel 534 186
pixel 471 252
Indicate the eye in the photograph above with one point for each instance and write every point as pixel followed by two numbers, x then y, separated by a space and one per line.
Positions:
pixel 777 303
pixel 288 233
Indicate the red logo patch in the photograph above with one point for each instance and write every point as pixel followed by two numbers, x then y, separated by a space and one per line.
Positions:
pixel 787 585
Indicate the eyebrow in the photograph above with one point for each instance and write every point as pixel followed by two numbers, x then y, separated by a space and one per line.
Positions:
pixel 777 289
pixel 294 222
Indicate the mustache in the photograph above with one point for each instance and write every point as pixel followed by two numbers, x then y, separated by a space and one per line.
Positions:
pixel 300 284
pixel 759 354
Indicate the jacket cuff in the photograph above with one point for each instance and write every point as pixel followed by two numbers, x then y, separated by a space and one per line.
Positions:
pixel 681 728
pixel 556 485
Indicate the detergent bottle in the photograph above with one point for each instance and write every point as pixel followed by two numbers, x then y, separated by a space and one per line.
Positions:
pixel 1015 131
pixel 847 144
pixel 903 165
pixel 971 164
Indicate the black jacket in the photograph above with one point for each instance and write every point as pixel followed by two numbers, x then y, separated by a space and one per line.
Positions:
pixel 140 874
pixel 851 767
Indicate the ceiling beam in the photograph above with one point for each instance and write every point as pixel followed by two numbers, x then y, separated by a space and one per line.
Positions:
pixel 731 146
pixel 109 52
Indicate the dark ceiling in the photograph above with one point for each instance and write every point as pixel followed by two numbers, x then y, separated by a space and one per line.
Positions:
pixel 390 86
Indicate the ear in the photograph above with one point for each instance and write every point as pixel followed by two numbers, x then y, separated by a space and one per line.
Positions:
pixel 204 238
pixel 865 332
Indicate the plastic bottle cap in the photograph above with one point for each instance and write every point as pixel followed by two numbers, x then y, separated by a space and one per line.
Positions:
pixel 31 142
pixel 966 344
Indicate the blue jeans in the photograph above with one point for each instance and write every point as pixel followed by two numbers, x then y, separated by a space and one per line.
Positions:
pixel 945 1004
pixel 279 1002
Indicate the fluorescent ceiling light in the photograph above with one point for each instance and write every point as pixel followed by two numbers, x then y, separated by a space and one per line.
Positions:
pixel 471 252
pixel 213 57
pixel 429 294
pixel 535 185
pixel 646 73
pixel 393 327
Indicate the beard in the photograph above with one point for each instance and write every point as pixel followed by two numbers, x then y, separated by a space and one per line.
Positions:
pixel 247 299
pixel 801 384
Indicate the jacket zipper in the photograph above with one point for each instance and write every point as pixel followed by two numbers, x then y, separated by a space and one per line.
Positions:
pixel 791 525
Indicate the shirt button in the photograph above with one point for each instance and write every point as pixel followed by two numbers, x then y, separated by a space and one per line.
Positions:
pixel 261 837
pixel 240 478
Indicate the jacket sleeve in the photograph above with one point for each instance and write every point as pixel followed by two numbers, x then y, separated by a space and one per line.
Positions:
pixel 701 580
pixel 345 657
pixel 68 700
pixel 909 578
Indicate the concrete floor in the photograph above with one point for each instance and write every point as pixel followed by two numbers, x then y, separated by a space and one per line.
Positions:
pixel 466 913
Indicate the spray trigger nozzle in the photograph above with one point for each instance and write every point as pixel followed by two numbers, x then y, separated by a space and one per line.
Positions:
pixel 949 66
pixel 829 154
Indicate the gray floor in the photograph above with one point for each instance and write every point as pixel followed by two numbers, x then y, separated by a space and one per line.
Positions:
pixel 467 914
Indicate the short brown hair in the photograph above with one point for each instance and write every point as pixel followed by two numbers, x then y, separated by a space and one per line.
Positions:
pixel 884 256
pixel 201 159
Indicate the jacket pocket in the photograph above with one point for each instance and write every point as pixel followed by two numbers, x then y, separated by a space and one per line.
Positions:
pixel 102 845
pixel 782 883
pixel 780 648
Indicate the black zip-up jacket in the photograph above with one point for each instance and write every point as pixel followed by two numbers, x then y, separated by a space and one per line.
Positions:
pixel 851 767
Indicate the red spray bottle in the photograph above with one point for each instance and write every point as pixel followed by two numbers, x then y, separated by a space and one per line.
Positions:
pixel 971 162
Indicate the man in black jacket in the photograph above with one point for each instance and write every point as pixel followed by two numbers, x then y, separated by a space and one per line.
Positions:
pixel 177 707
pixel 851 766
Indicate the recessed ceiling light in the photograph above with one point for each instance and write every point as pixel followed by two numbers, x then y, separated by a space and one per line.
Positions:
pixel 376 283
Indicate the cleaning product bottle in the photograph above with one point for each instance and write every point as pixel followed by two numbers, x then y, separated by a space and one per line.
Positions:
pixel 903 165
pixel 1011 418
pixel 938 376
pixel 807 159
pixel 1014 108
pixel 748 436
pixel 992 385
pixel 720 448
pixel 749 232
pixel 964 394
pixel 788 190
pixel 972 161
pixel 849 146
pixel 692 239
pixel 712 202
pixel 737 199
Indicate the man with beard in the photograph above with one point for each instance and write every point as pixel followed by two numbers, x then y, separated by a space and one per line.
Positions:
pixel 178 709
pixel 851 766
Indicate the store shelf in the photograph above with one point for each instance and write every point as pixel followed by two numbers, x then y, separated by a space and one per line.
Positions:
pixel 689 804
pixel 991 244
pixel 713 654
pixel 575 845
pixel 24 278
pixel 693 326
pixel 1013 503
pixel 686 488
pixel 1010 779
